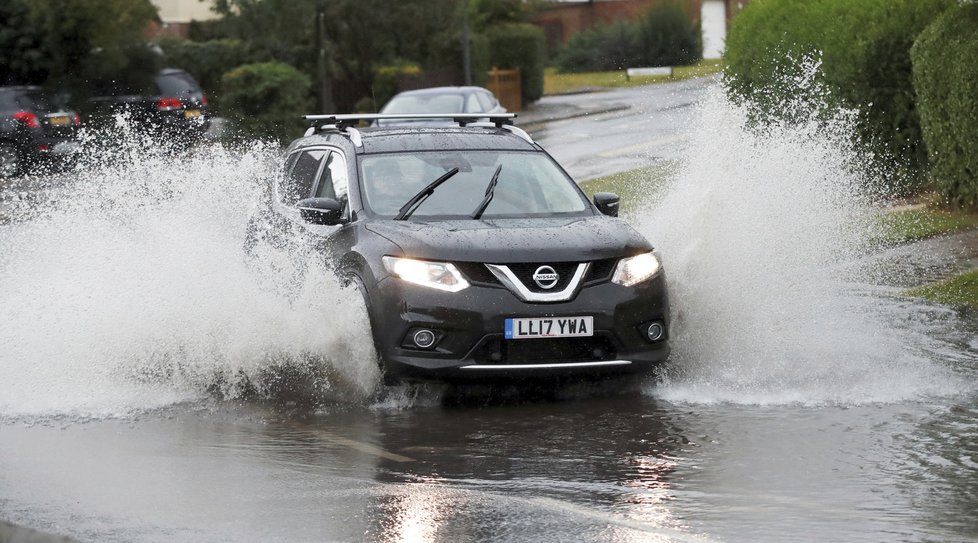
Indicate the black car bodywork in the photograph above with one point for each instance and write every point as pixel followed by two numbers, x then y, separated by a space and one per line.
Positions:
pixel 33 130
pixel 493 291
pixel 172 107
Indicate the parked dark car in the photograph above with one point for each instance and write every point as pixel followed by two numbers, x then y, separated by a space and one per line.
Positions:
pixel 439 100
pixel 33 130
pixel 476 254
pixel 172 107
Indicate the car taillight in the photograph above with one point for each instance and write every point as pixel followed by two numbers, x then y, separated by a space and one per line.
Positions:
pixel 167 104
pixel 27 118
pixel 77 119
pixel 203 99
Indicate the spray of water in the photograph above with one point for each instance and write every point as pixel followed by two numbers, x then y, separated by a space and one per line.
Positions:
pixel 129 290
pixel 759 232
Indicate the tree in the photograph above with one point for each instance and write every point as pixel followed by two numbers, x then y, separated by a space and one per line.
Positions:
pixel 82 40
pixel 21 58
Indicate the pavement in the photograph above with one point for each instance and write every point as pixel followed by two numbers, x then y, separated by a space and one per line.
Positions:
pixel 566 106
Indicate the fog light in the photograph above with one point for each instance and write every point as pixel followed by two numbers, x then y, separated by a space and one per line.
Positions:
pixel 424 338
pixel 656 331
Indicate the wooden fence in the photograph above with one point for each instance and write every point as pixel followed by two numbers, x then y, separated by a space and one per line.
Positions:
pixel 505 84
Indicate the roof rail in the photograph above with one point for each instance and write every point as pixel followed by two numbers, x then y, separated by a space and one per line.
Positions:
pixel 463 119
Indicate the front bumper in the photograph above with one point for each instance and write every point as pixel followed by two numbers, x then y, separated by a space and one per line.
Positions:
pixel 470 324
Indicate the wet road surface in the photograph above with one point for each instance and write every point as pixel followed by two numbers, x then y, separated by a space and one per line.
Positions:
pixel 625 467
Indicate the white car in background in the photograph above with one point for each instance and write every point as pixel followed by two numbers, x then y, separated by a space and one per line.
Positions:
pixel 440 100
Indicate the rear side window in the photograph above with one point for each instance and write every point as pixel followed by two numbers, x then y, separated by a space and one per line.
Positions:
pixel 299 180
pixel 177 84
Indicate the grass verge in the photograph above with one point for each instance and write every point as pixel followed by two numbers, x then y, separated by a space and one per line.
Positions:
pixel 904 226
pixel 960 290
pixel 634 186
pixel 557 83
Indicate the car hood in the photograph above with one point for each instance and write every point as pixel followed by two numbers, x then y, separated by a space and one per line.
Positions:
pixel 506 241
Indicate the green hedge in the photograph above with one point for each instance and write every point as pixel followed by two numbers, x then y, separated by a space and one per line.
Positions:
pixel 945 76
pixel 664 36
pixel 520 45
pixel 385 84
pixel 667 36
pixel 600 49
pixel 864 48
pixel 207 61
pixel 267 99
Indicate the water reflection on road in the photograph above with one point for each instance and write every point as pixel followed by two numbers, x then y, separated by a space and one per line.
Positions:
pixel 620 467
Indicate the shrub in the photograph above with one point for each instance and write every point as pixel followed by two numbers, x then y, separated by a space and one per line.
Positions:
pixel 945 77
pixel 667 36
pixel 520 45
pixel 385 84
pixel 600 49
pixel 664 36
pixel 446 52
pixel 207 61
pixel 865 62
pixel 267 99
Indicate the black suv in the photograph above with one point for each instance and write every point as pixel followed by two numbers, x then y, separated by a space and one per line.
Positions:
pixel 476 254
pixel 32 130
pixel 172 107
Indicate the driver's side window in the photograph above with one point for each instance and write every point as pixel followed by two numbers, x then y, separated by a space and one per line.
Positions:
pixel 299 179
pixel 334 180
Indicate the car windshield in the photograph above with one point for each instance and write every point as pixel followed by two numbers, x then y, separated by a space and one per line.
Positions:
pixel 529 184
pixel 425 103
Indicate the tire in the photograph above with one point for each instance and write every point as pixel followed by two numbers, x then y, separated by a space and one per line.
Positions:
pixel 11 161
pixel 388 379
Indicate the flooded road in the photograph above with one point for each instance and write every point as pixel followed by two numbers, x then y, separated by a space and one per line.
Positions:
pixel 626 467
pixel 154 388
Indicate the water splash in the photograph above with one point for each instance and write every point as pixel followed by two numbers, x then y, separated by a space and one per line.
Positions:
pixel 129 290
pixel 759 231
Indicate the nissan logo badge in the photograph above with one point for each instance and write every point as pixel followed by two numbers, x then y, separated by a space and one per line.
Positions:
pixel 546 277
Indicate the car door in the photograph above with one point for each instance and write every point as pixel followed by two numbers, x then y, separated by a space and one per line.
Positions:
pixel 278 223
pixel 333 181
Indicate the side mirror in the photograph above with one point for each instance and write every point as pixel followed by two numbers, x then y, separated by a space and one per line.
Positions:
pixel 607 203
pixel 326 211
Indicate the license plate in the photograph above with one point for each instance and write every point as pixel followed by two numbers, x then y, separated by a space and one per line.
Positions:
pixel 544 327
pixel 60 120
pixel 191 114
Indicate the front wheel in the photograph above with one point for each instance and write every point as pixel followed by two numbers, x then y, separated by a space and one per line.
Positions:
pixel 388 379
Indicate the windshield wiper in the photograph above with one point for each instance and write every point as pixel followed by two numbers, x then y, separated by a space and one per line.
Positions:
pixel 489 192
pixel 416 200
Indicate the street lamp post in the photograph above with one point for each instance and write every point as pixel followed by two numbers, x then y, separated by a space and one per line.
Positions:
pixel 323 93
pixel 466 54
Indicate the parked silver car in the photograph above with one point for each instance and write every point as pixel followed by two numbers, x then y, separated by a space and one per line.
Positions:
pixel 440 100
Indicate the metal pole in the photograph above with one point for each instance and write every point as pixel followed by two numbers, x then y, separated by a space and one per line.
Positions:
pixel 323 91
pixel 466 53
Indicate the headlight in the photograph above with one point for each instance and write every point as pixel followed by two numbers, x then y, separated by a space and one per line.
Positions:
pixel 439 275
pixel 634 270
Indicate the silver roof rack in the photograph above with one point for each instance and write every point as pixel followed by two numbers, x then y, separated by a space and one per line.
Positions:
pixel 344 123
pixel 463 119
